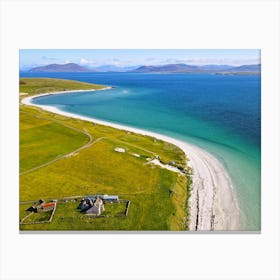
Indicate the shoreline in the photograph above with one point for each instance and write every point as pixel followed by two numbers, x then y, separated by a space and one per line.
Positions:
pixel 59 92
pixel 212 203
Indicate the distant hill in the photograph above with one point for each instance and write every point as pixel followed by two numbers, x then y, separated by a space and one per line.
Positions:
pixel 185 68
pixel 246 68
pixel 68 67
pixel 214 67
pixel 166 68
pixel 73 67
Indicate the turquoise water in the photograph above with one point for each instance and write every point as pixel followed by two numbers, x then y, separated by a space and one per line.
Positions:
pixel 220 113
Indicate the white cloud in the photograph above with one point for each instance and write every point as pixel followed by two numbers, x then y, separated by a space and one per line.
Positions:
pixel 88 62
pixel 84 61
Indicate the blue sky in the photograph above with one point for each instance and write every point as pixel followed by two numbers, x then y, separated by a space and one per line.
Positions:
pixel 123 57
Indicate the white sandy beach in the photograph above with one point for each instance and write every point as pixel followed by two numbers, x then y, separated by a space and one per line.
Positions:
pixel 213 203
pixel 58 92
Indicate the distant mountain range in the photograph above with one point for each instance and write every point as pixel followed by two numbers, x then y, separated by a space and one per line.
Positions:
pixel 247 68
pixel 168 68
pixel 73 67
pixel 68 67
pixel 185 68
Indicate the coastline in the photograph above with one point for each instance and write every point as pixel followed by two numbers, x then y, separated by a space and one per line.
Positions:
pixel 212 202
pixel 60 92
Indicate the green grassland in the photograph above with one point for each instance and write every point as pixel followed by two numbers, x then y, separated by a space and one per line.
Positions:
pixel 158 196
pixel 48 133
pixel 42 85
pixel 40 217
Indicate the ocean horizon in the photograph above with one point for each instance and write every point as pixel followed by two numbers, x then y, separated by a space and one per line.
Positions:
pixel 219 113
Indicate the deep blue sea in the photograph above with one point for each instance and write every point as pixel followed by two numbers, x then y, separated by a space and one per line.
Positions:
pixel 220 113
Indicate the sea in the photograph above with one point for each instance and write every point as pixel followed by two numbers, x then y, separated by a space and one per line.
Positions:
pixel 219 113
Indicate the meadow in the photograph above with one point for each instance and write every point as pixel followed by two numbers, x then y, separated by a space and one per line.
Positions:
pixel 51 169
pixel 33 86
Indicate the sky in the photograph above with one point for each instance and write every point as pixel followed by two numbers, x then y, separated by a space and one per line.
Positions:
pixel 130 57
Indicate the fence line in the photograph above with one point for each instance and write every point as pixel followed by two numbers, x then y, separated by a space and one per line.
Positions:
pixel 41 222
pixel 127 207
pixel 24 218
pixel 50 219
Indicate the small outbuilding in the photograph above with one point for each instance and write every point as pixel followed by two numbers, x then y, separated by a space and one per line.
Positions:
pixel 47 206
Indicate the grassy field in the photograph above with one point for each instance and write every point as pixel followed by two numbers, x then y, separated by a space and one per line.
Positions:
pixel 42 85
pixel 36 134
pixel 158 196
pixel 36 217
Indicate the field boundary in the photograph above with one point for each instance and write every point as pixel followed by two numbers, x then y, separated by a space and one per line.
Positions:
pixel 41 222
pixel 119 215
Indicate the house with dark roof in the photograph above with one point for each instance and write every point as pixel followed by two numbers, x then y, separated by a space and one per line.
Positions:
pixel 92 206
pixel 93 211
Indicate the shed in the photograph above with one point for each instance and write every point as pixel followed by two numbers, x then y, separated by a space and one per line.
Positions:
pixel 48 206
